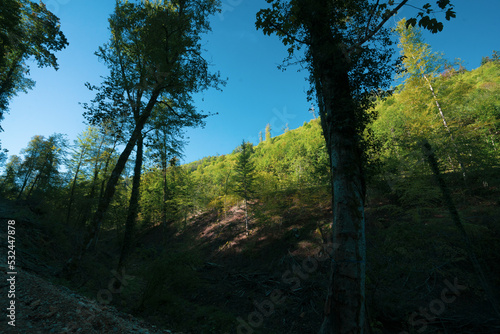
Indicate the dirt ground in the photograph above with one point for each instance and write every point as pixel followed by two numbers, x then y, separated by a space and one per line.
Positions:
pixel 42 307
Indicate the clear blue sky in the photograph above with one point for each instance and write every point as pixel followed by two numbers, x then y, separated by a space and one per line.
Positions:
pixel 257 92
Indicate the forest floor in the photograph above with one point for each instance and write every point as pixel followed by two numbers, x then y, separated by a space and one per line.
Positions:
pixel 42 307
pixel 209 276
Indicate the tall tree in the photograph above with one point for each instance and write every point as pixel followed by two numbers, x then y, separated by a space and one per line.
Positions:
pixel 268 133
pixel 154 57
pixel 348 56
pixel 40 167
pixel 165 142
pixel 29 30
pixel 245 176
pixel 421 65
pixel 10 178
pixel 77 162
pixel 133 207
pixel 166 125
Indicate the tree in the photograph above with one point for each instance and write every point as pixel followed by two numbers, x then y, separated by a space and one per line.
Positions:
pixel 245 176
pixel 39 170
pixel 3 155
pixel 77 161
pixel 29 30
pixel 268 133
pixel 88 168
pixel 166 142
pixel 495 58
pixel 154 58
pixel 420 66
pixel 347 55
pixel 10 179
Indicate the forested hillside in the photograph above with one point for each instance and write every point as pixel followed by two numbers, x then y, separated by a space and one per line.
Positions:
pixel 191 223
pixel 381 215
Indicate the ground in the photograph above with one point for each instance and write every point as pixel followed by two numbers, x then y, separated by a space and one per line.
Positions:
pixel 208 276
pixel 42 307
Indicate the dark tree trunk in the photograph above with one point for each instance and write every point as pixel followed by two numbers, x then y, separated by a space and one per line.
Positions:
pixel 35 181
pixel 165 195
pixel 133 206
pixel 344 310
pixel 105 200
pixel 25 182
pixel 73 187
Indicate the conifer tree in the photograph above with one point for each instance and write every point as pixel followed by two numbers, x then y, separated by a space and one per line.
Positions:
pixel 245 176
pixel 268 133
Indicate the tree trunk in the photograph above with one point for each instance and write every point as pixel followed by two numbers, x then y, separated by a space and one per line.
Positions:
pixel 33 185
pixel 105 200
pixel 246 216
pixel 165 196
pixel 344 310
pixel 345 305
pixel 133 206
pixel 25 182
pixel 73 186
pixel 445 124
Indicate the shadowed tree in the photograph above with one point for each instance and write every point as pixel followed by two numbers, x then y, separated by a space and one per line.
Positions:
pixel 245 176
pixel 154 57
pixel 39 170
pixel 165 129
pixel 346 49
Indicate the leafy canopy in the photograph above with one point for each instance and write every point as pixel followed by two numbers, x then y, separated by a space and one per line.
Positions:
pixel 29 30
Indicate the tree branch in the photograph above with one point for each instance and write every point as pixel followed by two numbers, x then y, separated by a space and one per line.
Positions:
pixel 371 17
pixel 379 26
pixel 277 27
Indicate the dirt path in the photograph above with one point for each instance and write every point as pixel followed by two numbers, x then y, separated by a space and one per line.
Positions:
pixel 42 307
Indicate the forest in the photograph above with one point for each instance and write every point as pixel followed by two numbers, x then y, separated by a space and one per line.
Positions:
pixel 378 215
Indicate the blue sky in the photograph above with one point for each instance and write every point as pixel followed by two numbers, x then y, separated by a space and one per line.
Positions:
pixel 257 92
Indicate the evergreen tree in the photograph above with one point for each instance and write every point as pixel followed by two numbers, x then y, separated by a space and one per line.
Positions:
pixel 245 176
pixel 268 133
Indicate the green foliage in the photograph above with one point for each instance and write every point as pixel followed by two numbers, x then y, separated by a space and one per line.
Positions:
pixel 268 133
pixel 29 30
pixel 89 166
pixel 37 172
pixel 467 103
pixel 495 57
pixel 244 176
pixel 154 58
pixel 294 160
